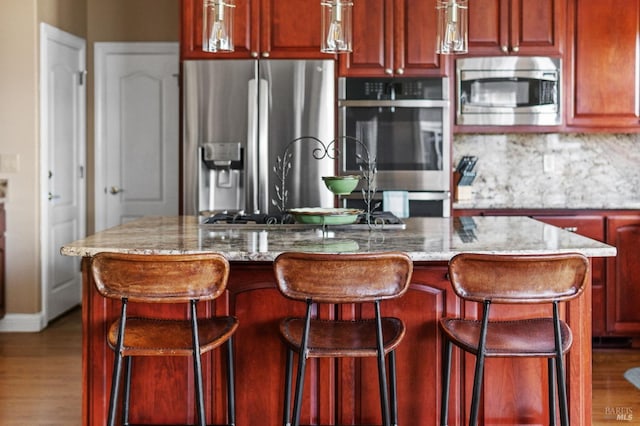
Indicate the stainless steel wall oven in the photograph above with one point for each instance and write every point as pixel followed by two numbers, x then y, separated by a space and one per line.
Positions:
pixel 405 124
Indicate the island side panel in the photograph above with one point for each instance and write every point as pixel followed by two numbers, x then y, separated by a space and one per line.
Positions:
pixel 253 297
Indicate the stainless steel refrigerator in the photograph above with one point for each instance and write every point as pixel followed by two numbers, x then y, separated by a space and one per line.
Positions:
pixel 238 118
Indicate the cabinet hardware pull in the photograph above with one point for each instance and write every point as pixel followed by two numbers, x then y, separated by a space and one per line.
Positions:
pixel 571 228
pixel 516 49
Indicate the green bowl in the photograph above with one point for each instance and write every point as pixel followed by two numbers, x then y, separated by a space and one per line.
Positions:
pixel 341 185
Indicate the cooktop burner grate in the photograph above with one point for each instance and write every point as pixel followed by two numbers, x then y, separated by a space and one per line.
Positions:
pixel 241 218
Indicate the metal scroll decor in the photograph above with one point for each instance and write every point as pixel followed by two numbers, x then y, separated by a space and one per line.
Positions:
pixel 367 167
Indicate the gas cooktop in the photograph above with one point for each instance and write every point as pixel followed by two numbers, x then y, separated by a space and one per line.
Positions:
pixel 380 220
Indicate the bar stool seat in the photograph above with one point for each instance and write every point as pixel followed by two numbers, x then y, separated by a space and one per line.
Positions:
pixel 317 278
pixel 168 279
pixel 513 279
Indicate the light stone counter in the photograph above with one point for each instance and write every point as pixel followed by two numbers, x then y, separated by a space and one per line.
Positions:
pixel 424 239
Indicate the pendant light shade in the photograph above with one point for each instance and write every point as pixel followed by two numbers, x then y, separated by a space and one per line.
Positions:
pixel 217 26
pixel 336 26
pixel 452 26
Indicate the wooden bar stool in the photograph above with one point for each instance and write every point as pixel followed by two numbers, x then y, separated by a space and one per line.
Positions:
pixel 317 278
pixel 165 279
pixel 514 279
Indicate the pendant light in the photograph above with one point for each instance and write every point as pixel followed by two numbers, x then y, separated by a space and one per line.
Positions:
pixel 217 26
pixel 336 26
pixel 452 26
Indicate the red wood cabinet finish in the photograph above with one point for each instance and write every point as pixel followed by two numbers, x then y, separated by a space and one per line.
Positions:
pixel 603 75
pixel 262 28
pixel 516 27
pixel 623 275
pixel 336 391
pixel 591 226
pixel 3 308
pixel 393 38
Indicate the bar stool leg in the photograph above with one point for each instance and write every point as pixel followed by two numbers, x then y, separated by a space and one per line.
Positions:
pixel 117 366
pixel 446 380
pixel 382 374
pixel 126 394
pixel 231 385
pixel 393 399
pixel 286 415
pixel 302 365
pixel 197 366
pixel 479 370
pixel 562 386
pixel 551 368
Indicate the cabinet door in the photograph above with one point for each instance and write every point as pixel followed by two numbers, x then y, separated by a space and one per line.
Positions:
pixel 418 357
pixel 527 27
pixel 488 27
pixel 623 276
pixel 537 27
pixel 415 28
pixel 591 227
pixel 253 297
pixel 605 56
pixel 372 49
pixel 291 29
pixel 244 39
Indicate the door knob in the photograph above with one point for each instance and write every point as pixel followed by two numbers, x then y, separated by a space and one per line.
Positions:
pixel 114 190
pixel 53 197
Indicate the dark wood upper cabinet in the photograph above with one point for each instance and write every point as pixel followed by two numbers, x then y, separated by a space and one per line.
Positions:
pixel 262 28
pixel 604 50
pixel 516 27
pixel 393 38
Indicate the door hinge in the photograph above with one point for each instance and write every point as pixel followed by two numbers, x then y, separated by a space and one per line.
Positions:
pixel 81 77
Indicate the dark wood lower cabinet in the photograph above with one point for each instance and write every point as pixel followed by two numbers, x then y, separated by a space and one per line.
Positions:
pixel 336 391
pixel 623 276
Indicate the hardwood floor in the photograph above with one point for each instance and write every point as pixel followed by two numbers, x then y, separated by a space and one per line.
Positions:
pixel 40 377
pixel 615 400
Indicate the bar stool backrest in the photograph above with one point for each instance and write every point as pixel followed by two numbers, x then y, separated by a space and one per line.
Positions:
pixel 343 278
pixel 518 278
pixel 160 278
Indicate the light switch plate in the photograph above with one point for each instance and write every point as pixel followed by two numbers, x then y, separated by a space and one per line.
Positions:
pixel 9 163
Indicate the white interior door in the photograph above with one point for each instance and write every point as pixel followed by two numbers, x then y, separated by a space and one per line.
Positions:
pixel 63 187
pixel 137 122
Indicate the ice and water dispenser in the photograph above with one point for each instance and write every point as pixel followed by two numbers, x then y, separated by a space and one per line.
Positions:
pixel 221 180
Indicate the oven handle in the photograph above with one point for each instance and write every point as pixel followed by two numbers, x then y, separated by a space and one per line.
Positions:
pixel 398 103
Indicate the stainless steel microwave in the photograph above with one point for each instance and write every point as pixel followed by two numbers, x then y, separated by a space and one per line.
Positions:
pixel 508 90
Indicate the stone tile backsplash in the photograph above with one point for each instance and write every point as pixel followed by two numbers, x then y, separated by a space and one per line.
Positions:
pixel 599 171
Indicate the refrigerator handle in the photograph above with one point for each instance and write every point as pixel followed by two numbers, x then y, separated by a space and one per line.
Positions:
pixel 263 146
pixel 251 156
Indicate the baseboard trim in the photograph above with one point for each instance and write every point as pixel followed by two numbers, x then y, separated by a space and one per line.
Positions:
pixel 19 323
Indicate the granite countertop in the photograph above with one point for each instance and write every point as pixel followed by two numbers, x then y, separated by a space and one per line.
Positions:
pixel 424 239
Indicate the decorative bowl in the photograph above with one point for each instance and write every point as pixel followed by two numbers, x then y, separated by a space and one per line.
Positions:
pixel 341 185
pixel 325 216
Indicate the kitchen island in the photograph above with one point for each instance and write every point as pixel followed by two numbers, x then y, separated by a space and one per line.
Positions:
pixel 338 391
